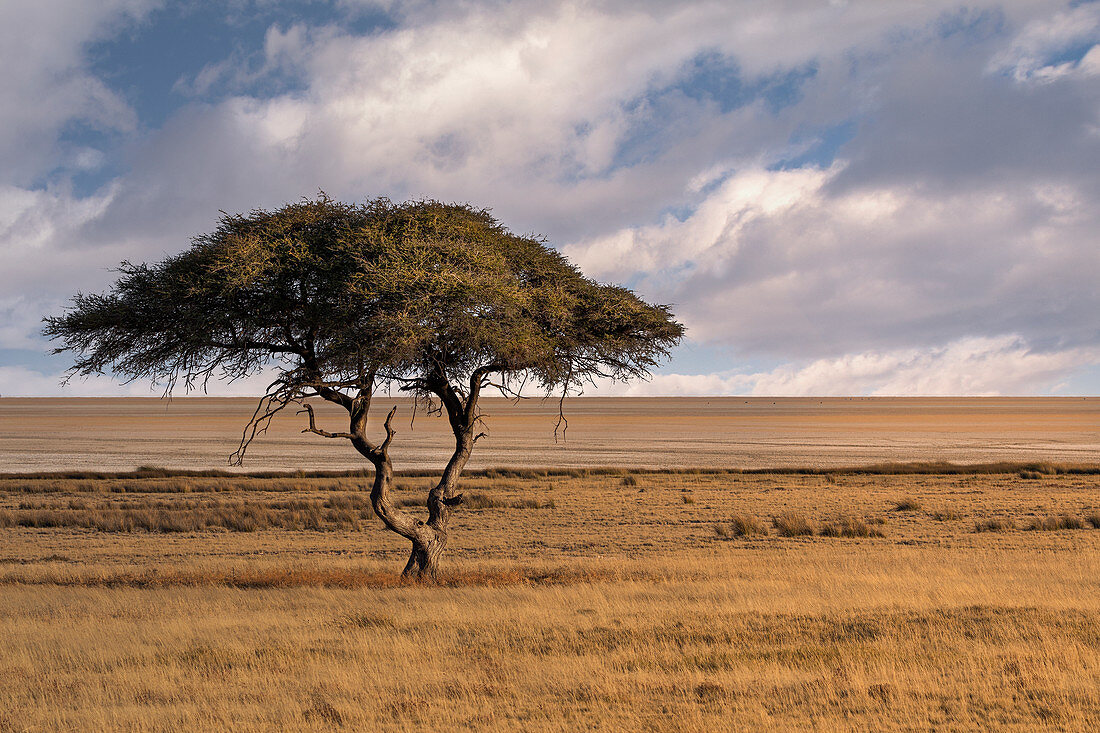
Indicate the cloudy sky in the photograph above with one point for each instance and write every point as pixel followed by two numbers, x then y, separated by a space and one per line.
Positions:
pixel 846 197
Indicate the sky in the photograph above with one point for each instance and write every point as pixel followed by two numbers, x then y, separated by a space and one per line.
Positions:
pixel 845 197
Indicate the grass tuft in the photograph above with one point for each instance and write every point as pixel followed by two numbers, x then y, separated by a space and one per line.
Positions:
pixel 317 577
pixel 792 524
pixel 850 527
pixel 907 505
pixel 740 525
pixel 173 516
pixel 993 525
pixel 481 500
pixel 1048 524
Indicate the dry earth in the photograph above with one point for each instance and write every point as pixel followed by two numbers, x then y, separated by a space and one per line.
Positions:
pixel 110 434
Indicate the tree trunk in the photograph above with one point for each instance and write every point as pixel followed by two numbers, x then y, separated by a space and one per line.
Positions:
pixel 429 539
pixel 424 557
pixel 428 542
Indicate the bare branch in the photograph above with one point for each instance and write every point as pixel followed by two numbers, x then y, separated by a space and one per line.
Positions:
pixel 390 432
pixel 308 408
pixel 562 422
pixel 334 395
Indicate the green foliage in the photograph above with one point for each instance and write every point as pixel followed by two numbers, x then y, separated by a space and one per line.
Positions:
pixel 349 296
pixel 392 288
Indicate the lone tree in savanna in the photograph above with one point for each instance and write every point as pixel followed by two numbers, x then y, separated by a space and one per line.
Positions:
pixel 343 300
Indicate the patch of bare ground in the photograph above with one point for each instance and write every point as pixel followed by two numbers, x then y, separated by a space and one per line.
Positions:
pixel 757 432
pixel 593 599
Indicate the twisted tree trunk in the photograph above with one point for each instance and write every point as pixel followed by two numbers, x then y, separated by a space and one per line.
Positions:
pixel 429 545
pixel 429 539
pixel 429 542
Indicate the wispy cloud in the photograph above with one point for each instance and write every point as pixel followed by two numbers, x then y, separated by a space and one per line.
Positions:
pixel 972 366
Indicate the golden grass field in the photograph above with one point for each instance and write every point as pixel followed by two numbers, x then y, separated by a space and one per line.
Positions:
pixel 571 600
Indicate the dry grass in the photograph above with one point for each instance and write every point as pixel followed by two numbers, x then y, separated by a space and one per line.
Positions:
pixel 622 609
pixel 144 478
pixel 315 577
pixel 171 514
pixel 993 525
pixel 741 525
pixel 896 640
pixel 481 500
pixel 850 527
pixel 792 524
pixel 1055 523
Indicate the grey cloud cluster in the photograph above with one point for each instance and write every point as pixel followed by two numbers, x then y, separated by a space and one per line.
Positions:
pixel 784 267
pixel 964 208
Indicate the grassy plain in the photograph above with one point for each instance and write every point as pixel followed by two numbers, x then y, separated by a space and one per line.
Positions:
pixel 602 600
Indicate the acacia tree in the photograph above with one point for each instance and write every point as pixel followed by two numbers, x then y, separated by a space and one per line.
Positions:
pixel 344 300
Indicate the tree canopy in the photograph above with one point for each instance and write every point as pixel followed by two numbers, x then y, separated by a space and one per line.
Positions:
pixel 439 299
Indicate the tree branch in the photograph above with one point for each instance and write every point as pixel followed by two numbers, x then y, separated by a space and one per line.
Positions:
pixel 477 381
pixel 257 346
pixel 334 395
pixel 275 399
pixel 390 432
pixel 308 408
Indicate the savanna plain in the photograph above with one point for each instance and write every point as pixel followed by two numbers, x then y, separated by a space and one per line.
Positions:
pixel 767 565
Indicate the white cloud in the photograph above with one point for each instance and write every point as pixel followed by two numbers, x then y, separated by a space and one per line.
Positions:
pixel 779 263
pixel 1002 365
pixel 525 105
pixel 19 381
pixel 710 235
pixel 41 247
pixel 1028 57
pixel 19 318
pixel 963 209
pixel 972 366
